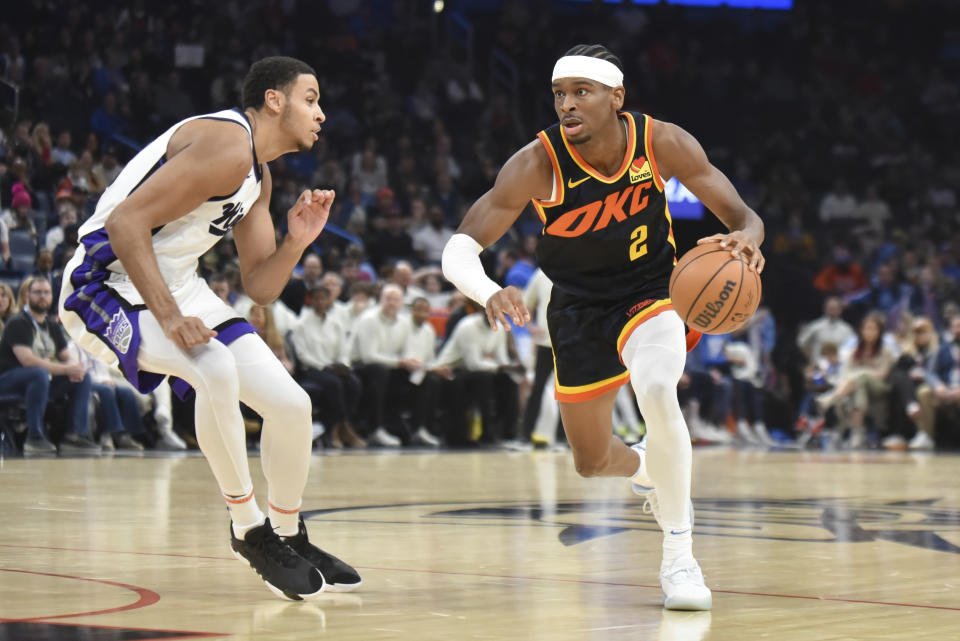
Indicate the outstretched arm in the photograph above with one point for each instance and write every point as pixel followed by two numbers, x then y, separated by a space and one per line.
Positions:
pixel 679 155
pixel 526 175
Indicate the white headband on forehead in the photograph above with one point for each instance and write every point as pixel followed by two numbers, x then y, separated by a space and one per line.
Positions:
pixel 602 71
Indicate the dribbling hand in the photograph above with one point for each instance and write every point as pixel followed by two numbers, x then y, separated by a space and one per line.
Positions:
pixel 507 304
pixel 739 243
pixel 187 331
pixel 309 214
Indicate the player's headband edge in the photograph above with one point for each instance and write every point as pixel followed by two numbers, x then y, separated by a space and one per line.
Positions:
pixel 602 71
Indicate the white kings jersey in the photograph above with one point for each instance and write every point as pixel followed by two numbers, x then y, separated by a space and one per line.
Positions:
pixel 179 244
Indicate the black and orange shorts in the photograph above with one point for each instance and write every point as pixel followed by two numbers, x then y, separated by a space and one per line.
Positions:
pixel 588 335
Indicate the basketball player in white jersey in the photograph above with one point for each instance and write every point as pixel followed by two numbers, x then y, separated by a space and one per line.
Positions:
pixel 131 295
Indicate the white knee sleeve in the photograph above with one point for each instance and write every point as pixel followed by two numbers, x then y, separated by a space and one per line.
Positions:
pixel 266 386
pixel 655 355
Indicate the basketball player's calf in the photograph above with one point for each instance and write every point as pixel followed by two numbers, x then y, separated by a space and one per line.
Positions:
pixel 596 451
pixel 613 458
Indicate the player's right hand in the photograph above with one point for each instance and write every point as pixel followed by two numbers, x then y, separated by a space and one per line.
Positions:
pixel 507 304
pixel 187 331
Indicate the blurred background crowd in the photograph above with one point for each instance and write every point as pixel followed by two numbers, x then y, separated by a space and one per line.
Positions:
pixel 834 120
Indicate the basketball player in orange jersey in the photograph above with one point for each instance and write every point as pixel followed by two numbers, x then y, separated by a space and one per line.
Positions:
pixel 596 179
pixel 131 295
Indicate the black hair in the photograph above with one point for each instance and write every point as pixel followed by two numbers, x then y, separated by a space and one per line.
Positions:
pixel 595 51
pixel 275 72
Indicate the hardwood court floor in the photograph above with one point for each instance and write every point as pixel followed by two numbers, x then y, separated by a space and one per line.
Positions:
pixel 489 546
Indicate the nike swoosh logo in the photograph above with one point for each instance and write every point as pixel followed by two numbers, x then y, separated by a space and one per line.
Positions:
pixel 571 184
pixel 680 532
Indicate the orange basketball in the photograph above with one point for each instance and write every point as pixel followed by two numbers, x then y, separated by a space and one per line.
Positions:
pixel 714 292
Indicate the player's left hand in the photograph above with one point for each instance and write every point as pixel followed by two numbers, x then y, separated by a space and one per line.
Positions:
pixel 507 304
pixel 739 243
pixel 309 214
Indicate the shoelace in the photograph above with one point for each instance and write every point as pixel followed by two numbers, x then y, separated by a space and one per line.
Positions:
pixel 686 574
pixel 275 548
pixel 298 543
pixel 312 554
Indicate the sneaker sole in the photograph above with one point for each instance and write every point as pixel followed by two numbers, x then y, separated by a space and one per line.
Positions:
pixel 277 591
pixel 343 587
pixel 688 604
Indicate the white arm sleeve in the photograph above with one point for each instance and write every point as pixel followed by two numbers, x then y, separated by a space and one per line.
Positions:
pixel 462 267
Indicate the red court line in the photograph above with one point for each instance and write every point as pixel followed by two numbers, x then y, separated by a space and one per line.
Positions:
pixel 840 600
pixel 146 597
pixel 518 577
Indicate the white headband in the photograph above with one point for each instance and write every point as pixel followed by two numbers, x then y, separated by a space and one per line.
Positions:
pixel 606 73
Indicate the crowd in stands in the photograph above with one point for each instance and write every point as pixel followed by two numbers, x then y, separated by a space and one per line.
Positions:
pixel 836 129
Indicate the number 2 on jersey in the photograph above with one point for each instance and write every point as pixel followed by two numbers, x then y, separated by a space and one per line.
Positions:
pixel 638 246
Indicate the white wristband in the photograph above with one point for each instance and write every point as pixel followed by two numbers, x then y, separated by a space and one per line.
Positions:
pixel 462 267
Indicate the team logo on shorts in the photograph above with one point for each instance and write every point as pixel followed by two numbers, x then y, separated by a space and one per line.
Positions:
pixel 120 331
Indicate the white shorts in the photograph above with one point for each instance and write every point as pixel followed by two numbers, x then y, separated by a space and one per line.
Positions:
pixel 100 310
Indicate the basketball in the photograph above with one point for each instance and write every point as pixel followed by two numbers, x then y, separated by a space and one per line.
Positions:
pixel 714 292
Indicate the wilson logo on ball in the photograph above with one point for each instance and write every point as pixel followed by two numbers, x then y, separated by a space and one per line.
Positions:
pixel 712 309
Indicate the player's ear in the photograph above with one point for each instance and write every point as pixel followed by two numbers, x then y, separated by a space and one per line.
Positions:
pixel 618 95
pixel 273 100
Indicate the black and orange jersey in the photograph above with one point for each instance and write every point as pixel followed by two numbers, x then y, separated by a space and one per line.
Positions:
pixel 606 237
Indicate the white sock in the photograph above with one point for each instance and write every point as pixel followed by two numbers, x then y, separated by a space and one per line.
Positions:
pixel 245 513
pixel 640 477
pixel 676 545
pixel 284 522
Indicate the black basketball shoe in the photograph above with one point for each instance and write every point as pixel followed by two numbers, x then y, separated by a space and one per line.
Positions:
pixel 284 571
pixel 340 577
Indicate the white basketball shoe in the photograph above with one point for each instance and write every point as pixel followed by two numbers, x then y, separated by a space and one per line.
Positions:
pixel 683 586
